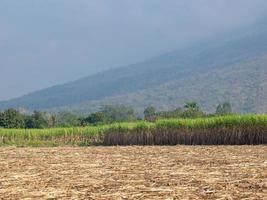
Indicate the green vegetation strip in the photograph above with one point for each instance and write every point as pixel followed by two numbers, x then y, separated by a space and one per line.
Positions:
pixel 232 130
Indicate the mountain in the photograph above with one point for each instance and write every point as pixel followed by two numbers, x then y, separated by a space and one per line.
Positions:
pixel 232 68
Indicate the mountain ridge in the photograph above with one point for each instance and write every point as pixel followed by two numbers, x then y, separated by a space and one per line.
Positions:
pixel 155 73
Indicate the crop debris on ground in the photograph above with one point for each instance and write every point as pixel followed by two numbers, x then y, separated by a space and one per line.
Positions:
pixel 178 172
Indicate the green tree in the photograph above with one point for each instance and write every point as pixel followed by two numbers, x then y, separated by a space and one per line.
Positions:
pixel 37 120
pixel 95 118
pixel 2 120
pixel 118 113
pixel 149 112
pixel 66 119
pixel 51 121
pixel 192 110
pixel 192 105
pixel 224 109
pixel 219 110
pixel 11 118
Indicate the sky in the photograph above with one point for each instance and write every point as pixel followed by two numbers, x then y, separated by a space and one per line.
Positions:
pixel 49 42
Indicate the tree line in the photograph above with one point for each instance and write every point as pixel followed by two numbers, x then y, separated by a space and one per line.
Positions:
pixel 12 118
pixel 189 110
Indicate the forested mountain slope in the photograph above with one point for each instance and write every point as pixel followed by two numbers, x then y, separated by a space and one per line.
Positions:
pixel 232 70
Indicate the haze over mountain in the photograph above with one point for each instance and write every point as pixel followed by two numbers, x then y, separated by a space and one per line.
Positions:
pixel 50 42
pixel 230 68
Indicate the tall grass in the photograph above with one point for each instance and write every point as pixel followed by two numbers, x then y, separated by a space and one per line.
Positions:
pixel 227 130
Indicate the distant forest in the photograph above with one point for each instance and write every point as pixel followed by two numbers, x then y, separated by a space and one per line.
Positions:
pixel 12 118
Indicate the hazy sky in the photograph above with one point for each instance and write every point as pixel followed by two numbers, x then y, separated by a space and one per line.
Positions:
pixel 46 42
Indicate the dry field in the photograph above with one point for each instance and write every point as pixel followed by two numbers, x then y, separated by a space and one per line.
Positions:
pixel 181 172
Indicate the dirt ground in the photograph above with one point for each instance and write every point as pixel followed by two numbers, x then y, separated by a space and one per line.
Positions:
pixel 181 172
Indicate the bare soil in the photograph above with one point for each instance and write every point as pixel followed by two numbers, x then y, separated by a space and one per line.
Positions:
pixel 180 172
